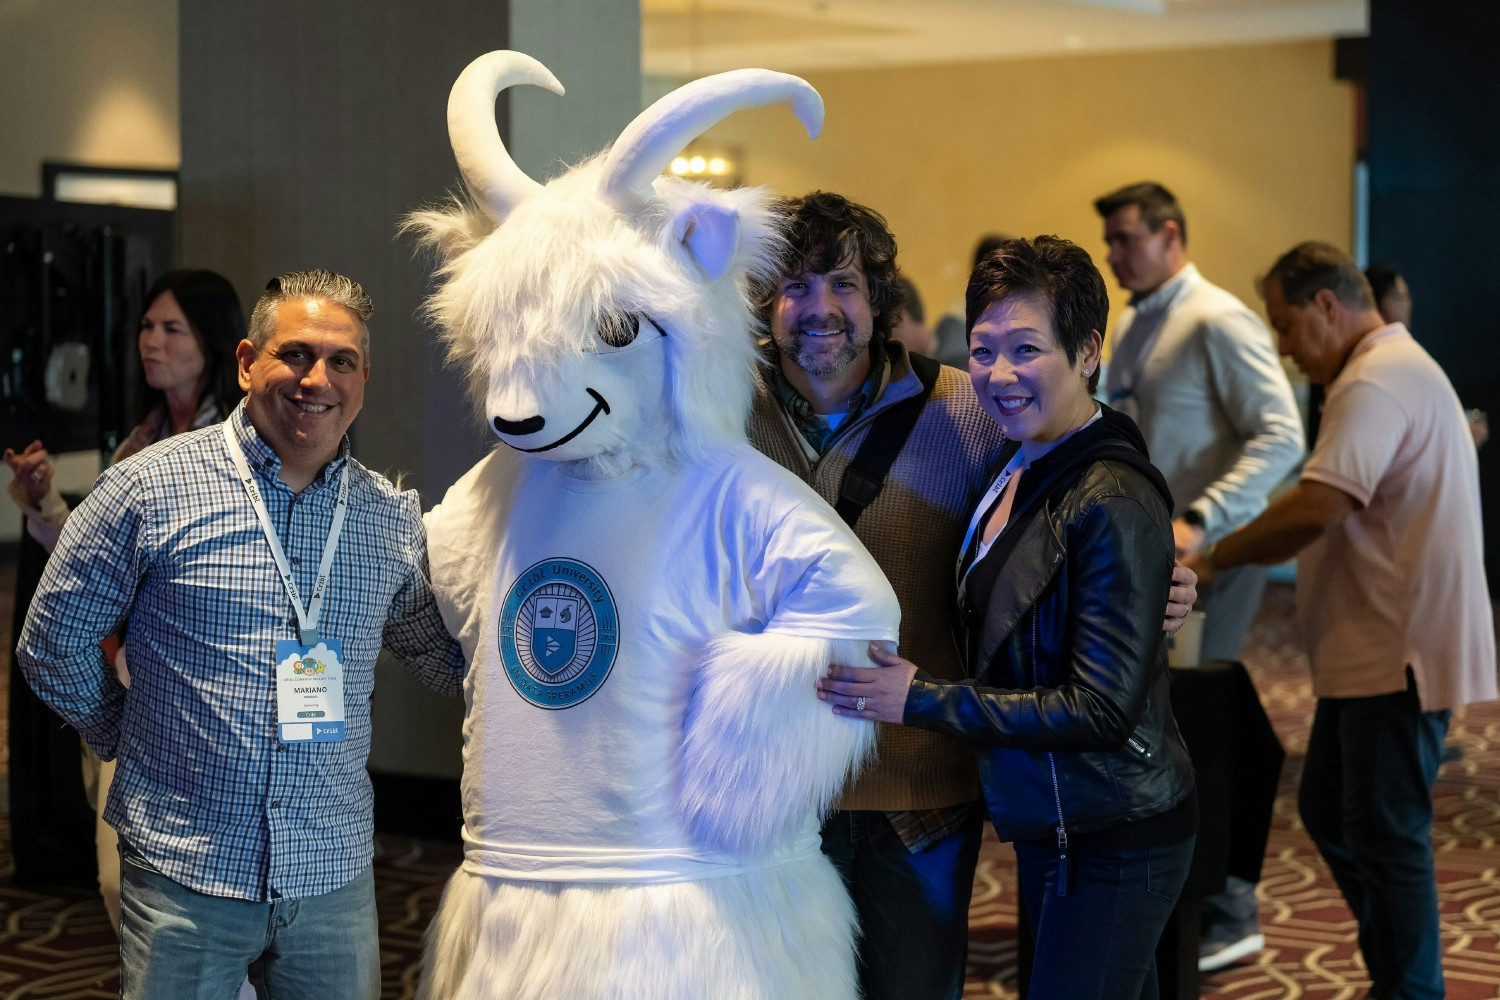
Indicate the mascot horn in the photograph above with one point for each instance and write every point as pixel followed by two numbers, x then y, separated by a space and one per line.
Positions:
pixel 646 602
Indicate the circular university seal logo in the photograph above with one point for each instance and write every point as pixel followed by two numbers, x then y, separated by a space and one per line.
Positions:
pixel 559 632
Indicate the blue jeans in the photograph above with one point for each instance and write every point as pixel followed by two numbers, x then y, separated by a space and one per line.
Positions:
pixel 1099 941
pixel 913 907
pixel 1366 800
pixel 186 945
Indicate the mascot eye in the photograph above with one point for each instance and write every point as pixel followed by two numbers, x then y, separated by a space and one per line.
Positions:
pixel 619 329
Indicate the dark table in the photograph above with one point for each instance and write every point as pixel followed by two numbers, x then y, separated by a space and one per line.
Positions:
pixel 51 822
pixel 1237 760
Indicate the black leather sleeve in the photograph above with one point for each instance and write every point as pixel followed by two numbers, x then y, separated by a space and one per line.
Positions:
pixel 1098 643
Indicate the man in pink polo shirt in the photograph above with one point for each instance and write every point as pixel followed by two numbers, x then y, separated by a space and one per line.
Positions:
pixel 1392 598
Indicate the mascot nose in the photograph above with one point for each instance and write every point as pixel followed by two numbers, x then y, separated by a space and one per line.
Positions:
pixel 518 428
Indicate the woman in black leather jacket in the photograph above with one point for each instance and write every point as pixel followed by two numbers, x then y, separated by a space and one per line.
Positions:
pixel 1061 586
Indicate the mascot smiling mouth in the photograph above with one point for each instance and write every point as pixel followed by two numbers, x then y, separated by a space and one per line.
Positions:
pixel 522 428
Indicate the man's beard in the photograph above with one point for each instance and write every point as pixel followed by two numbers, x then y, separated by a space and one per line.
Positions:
pixel 818 361
pixel 822 364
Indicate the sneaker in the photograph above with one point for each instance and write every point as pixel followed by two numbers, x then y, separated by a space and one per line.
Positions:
pixel 1228 946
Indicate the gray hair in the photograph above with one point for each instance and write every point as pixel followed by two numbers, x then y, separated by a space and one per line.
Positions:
pixel 316 283
pixel 1312 266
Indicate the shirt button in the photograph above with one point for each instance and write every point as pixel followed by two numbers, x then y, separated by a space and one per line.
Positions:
pixel 296 560
pixel 276 804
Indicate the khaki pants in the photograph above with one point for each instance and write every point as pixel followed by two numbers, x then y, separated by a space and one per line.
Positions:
pixel 98 775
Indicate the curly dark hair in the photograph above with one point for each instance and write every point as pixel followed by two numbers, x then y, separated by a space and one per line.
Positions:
pixel 1059 272
pixel 825 231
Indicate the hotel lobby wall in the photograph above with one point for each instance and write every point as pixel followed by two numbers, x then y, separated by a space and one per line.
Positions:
pixel 1257 141
pixel 86 82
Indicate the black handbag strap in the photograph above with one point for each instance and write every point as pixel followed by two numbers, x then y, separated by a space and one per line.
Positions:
pixel 865 475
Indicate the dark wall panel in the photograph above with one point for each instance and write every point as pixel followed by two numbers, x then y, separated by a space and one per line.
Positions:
pixel 308 130
pixel 1434 158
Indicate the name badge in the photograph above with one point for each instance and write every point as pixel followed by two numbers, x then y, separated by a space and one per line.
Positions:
pixel 310 691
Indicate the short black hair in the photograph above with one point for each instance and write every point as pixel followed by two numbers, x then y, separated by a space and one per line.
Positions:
pixel 1060 273
pixel 1157 205
pixel 824 231
pixel 1311 266
pixel 911 300
pixel 988 244
pixel 1382 280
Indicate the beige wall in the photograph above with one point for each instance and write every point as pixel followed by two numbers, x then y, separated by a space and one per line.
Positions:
pixel 1256 141
pixel 86 81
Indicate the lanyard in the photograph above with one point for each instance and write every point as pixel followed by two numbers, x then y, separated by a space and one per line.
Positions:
pixel 307 618
pixel 985 504
pixel 996 488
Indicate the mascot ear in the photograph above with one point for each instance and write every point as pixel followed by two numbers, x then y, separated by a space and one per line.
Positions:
pixel 711 236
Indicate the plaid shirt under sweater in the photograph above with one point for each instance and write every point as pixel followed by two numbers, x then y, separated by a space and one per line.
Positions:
pixel 168 544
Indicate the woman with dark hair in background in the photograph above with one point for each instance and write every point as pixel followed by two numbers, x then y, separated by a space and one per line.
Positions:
pixel 191 326
pixel 1061 585
pixel 188 334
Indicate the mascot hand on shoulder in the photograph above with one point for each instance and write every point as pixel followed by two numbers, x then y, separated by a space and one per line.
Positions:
pixel 646 602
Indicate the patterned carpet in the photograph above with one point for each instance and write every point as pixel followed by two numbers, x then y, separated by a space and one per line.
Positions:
pixel 1310 934
pixel 55 945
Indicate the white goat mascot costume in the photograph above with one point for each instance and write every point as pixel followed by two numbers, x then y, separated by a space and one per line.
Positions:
pixel 646 602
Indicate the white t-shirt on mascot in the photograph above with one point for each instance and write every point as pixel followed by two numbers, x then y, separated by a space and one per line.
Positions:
pixel 604 594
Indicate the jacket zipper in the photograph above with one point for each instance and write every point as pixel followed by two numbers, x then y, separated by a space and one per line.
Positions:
pixel 1062 826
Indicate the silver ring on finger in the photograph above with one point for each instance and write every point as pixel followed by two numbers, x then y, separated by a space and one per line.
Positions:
pixel 859 703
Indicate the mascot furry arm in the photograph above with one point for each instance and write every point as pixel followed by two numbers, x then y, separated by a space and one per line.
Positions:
pixel 645 600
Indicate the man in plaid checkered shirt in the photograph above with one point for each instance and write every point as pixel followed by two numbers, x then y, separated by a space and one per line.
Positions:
pixel 257 569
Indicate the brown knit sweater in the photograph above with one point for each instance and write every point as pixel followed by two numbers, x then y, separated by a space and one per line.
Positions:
pixel 913 529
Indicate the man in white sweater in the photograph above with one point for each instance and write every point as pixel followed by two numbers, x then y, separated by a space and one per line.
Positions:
pixel 1197 369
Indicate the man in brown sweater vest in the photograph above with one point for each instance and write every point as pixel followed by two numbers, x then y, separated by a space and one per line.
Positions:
pixel 907 830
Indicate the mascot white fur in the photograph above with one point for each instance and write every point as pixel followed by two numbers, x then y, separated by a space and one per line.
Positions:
pixel 646 602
